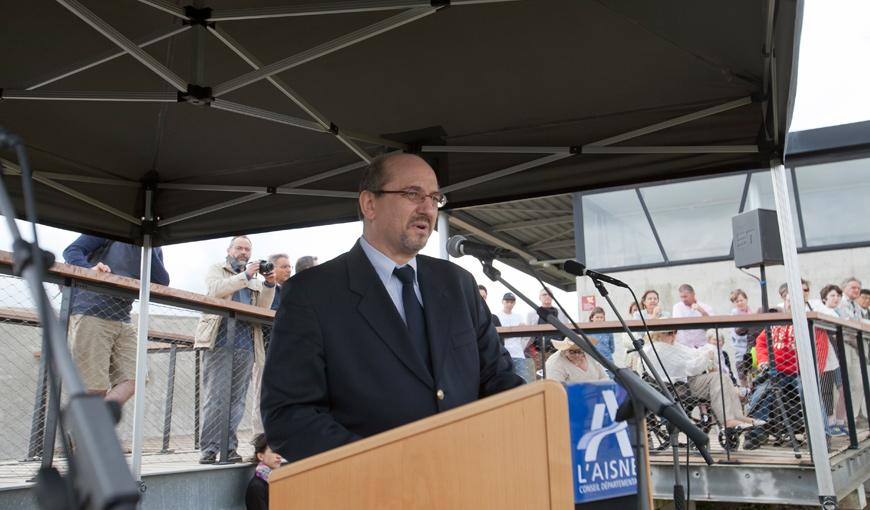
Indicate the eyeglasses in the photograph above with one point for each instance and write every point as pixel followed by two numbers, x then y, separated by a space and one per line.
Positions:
pixel 417 196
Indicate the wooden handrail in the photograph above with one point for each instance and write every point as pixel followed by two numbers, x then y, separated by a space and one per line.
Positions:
pixel 179 296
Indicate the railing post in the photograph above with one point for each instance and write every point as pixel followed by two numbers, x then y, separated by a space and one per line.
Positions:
pixel 809 376
pixel 197 375
pixel 39 417
pixel 847 389
pixel 862 359
pixel 722 427
pixel 227 386
pixel 170 392
pixel 54 388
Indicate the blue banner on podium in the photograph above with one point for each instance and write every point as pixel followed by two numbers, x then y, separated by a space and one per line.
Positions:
pixel 604 465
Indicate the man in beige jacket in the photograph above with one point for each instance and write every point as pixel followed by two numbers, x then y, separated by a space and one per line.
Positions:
pixel 227 362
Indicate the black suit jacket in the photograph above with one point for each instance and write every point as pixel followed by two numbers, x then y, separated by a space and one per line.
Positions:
pixel 341 365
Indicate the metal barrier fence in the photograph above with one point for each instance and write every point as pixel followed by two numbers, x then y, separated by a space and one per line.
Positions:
pixel 194 398
pixel 751 379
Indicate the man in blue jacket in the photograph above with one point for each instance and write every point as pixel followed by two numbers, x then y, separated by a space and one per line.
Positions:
pixel 102 336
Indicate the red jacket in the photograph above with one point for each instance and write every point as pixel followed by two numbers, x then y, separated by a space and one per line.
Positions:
pixel 784 352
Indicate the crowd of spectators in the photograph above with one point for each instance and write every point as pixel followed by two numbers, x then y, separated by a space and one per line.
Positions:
pixel 743 397
pixel 103 342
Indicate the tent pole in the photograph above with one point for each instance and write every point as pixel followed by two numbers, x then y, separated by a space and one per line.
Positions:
pixel 142 343
pixel 805 346
pixel 443 235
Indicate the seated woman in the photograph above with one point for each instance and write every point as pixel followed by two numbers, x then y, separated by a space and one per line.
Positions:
pixel 571 364
pixel 697 368
pixel 257 494
pixel 651 308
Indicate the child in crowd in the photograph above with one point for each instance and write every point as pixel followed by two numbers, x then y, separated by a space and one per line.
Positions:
pixel 605 343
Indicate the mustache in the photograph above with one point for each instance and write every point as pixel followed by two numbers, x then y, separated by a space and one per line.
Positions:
pixel 423 218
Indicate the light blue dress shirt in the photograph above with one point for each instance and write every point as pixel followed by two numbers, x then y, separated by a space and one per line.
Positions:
pixel 384 267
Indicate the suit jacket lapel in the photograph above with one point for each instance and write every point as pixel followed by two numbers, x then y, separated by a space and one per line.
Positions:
pixel 378 310
pixel 435 308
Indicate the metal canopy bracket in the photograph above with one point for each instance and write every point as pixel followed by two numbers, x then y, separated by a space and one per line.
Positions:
pixel 196 95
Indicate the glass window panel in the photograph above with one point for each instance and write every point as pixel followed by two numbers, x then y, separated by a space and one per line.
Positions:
pixel 760 196
pixel 834 202
pixel 693 218
pixel 616 231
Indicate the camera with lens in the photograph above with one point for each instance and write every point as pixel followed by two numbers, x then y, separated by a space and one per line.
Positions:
pixel 266 267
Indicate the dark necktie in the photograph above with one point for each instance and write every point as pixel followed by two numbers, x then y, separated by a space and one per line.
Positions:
pixel 414 318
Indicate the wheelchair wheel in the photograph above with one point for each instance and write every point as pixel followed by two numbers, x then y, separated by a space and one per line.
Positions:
pixel 657 433
pixel 729 438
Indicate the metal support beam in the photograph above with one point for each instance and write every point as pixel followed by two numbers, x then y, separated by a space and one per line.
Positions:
pixel 142 342
pixel 673 149
pixel 210 209
pixel 503 149
pixel 517 225
pixel 127 45
pixel 322 49
pixel 652 224
pixel 259 113
pixel 676 121
pixel 489 238
pixel 13 169
pixel 285 89
pixel 338 7
pixel 805 347
pixel 505 172
pixel 166 7
pixel 548 240
pixel 100 96
pixel 106 57
pixel 281 190
pixel 443 235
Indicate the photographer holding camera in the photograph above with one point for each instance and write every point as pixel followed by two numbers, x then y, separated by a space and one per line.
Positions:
pixel 234 279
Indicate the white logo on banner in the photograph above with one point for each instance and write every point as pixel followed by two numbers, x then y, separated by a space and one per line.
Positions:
pixel 597 431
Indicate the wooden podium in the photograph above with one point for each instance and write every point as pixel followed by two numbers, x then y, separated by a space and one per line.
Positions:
pixel 508 451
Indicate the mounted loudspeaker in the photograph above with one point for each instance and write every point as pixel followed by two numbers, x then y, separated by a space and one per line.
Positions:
pixel 756 239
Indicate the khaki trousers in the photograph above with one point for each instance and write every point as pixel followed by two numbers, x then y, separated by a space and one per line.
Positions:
pixel 708 387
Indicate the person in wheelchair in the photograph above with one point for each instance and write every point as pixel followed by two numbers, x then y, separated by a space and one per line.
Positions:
pixel 697 369
pixel 776 394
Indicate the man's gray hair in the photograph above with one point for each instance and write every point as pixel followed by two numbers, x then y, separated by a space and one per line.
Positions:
pixel 238 237
pixel 849 280
pixel 274 257
pixel 686 288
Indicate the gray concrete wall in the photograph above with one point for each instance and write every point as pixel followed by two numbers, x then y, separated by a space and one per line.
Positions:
pixel 213 488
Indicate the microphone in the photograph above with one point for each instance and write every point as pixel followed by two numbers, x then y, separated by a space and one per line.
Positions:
pixel 458 246
pixel 576 268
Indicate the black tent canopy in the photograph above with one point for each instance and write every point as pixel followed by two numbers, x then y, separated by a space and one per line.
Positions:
pixel 246 116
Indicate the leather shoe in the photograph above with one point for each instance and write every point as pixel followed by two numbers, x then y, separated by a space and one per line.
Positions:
pixel 233 457
pixel 208 458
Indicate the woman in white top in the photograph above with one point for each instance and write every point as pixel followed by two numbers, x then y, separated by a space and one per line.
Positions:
pixel 570 364
pixel 651 309
pixel 831 377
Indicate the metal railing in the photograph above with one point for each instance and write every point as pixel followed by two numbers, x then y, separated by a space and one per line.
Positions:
pixel 187 400
pixel 773 393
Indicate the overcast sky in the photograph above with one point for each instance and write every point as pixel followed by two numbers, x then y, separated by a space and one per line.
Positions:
pixel 833 84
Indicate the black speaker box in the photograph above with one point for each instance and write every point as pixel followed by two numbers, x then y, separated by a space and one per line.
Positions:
pixel 756 239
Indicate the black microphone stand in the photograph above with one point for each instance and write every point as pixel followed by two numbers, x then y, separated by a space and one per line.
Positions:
pixel 99 477
pixel 637 343
pixel 641 395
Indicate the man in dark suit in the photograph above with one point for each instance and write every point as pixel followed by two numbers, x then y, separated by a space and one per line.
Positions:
pixel 379 336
